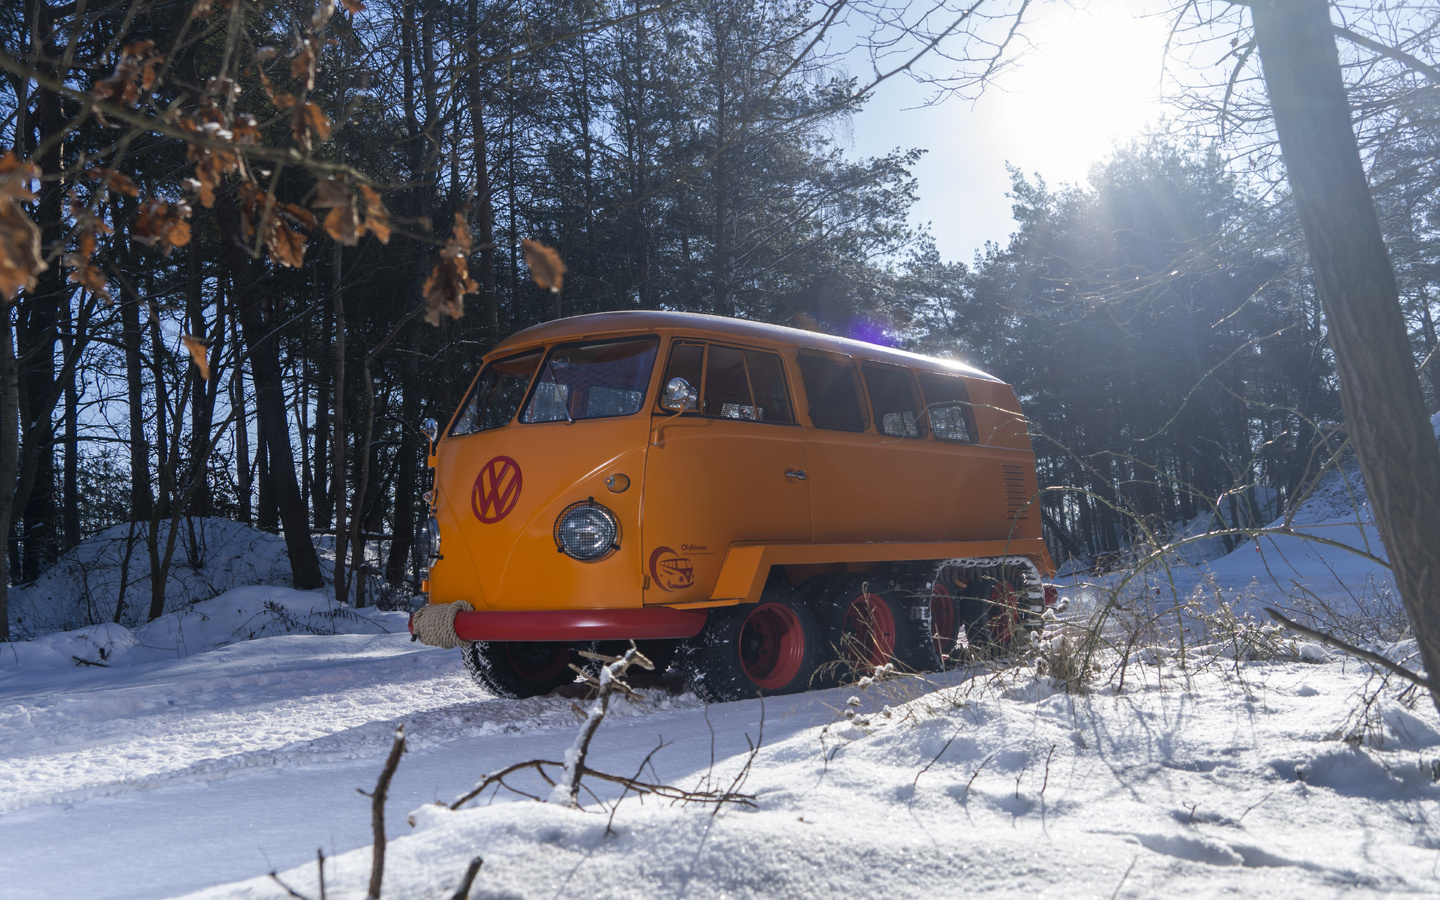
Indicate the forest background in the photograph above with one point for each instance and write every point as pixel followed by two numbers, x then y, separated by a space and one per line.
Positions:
pixel 250 246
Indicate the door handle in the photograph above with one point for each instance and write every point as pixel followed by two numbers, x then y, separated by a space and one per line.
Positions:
pixel 797 474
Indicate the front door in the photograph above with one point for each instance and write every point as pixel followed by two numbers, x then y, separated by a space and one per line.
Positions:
pixel 730 469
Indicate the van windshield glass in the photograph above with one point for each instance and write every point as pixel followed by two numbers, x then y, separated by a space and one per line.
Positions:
pixel 592 381
pixel 497 394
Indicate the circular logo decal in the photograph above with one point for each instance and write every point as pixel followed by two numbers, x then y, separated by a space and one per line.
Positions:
pixel 497 490
pixel 671 571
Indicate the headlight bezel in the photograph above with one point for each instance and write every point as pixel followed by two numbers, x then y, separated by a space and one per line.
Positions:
pixel 571 540
pixel 431 533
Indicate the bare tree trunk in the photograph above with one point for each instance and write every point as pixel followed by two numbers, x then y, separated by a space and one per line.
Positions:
pixel 71 488
pixel 9 453
pixel 141 499
pixel 243 484
pixel 338 474
pixel 1379 387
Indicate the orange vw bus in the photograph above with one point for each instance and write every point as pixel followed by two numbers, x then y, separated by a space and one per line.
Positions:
pixel 787 506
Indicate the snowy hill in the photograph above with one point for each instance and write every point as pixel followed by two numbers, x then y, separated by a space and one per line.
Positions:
pixel 111 570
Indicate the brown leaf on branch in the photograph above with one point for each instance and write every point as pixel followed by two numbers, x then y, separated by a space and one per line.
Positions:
pixel 377 217
pixel 353 6
pixel 198 352
pixel 20 258
pixel 134 71
pixel 324 9
pixel 307 120
pixel 120 183
pixel 283 224
pixel 450 280
pixel 343 222
pixel 212 165
pixel 302 67
pixel 546 266
pixel 162 223
pixel 15 177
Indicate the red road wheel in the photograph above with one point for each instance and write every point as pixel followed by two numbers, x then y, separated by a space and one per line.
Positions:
pixel 993 623
pixel 1004 615
pixel 868 636
pixel 767 648
pixel 772 645
pixel 944 620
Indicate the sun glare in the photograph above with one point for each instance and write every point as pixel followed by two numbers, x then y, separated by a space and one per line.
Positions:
pixel 1089 80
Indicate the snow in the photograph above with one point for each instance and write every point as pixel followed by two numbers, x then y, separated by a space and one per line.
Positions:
pixel 193 755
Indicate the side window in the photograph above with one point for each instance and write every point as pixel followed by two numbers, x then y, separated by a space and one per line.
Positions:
pixel 830 386
pixel 686 361
pixel 767 382
pixel 592 381
pixel 947 407
pixel 727 386
pixel 893 399
pixel 497 394
pixel 738 383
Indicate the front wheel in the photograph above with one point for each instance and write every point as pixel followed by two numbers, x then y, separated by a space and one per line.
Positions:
pixel 520 668
pixel 753 649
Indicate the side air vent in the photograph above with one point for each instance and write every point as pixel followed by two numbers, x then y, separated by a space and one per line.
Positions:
pixel 1016 497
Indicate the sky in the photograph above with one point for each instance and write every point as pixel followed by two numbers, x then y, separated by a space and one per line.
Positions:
pixel 1090 80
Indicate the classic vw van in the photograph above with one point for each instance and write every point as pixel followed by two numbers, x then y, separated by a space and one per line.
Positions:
pixel 789 507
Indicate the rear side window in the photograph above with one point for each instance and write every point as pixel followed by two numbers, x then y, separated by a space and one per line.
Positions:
pixel 738 383
pixel 497 394
pixel 592 381
pixel 947 407
pixel 892 395
pixel 830 386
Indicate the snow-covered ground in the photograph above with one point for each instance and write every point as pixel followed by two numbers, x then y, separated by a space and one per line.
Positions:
pixel 228 739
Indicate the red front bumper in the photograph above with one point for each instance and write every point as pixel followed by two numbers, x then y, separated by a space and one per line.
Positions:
pixel 649 623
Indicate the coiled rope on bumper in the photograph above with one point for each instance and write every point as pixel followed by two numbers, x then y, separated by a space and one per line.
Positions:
pixel 434 624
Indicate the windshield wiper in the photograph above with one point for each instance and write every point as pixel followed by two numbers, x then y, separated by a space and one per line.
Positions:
pixel 555 380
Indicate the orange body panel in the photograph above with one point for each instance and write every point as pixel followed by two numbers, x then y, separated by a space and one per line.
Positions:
pixel 708 501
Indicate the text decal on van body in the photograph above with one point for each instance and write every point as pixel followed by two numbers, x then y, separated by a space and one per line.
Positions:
pixel 497 489
pixel 670 571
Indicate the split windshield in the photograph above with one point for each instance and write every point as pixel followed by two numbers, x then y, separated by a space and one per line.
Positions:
pixel 577 381
pixel 592 381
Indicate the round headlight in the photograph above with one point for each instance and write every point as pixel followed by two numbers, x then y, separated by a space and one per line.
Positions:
pixel 431 540
pixel 587 531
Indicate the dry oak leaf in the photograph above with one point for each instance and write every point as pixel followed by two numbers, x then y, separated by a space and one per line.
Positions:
pixel 20 258
pixel 15 177
pixel 134 71
pixel 284 238
pixel 546 266
pixel 353 6
pixel 302 67
pixel 198 348
pixel 307 119
pixel 166 224
pixel 343 221
pixel 282 223
pixel 450 279
pixel 377 217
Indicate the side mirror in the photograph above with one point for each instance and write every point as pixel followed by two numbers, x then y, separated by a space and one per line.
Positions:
pixel 679 396
pixel 430 428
